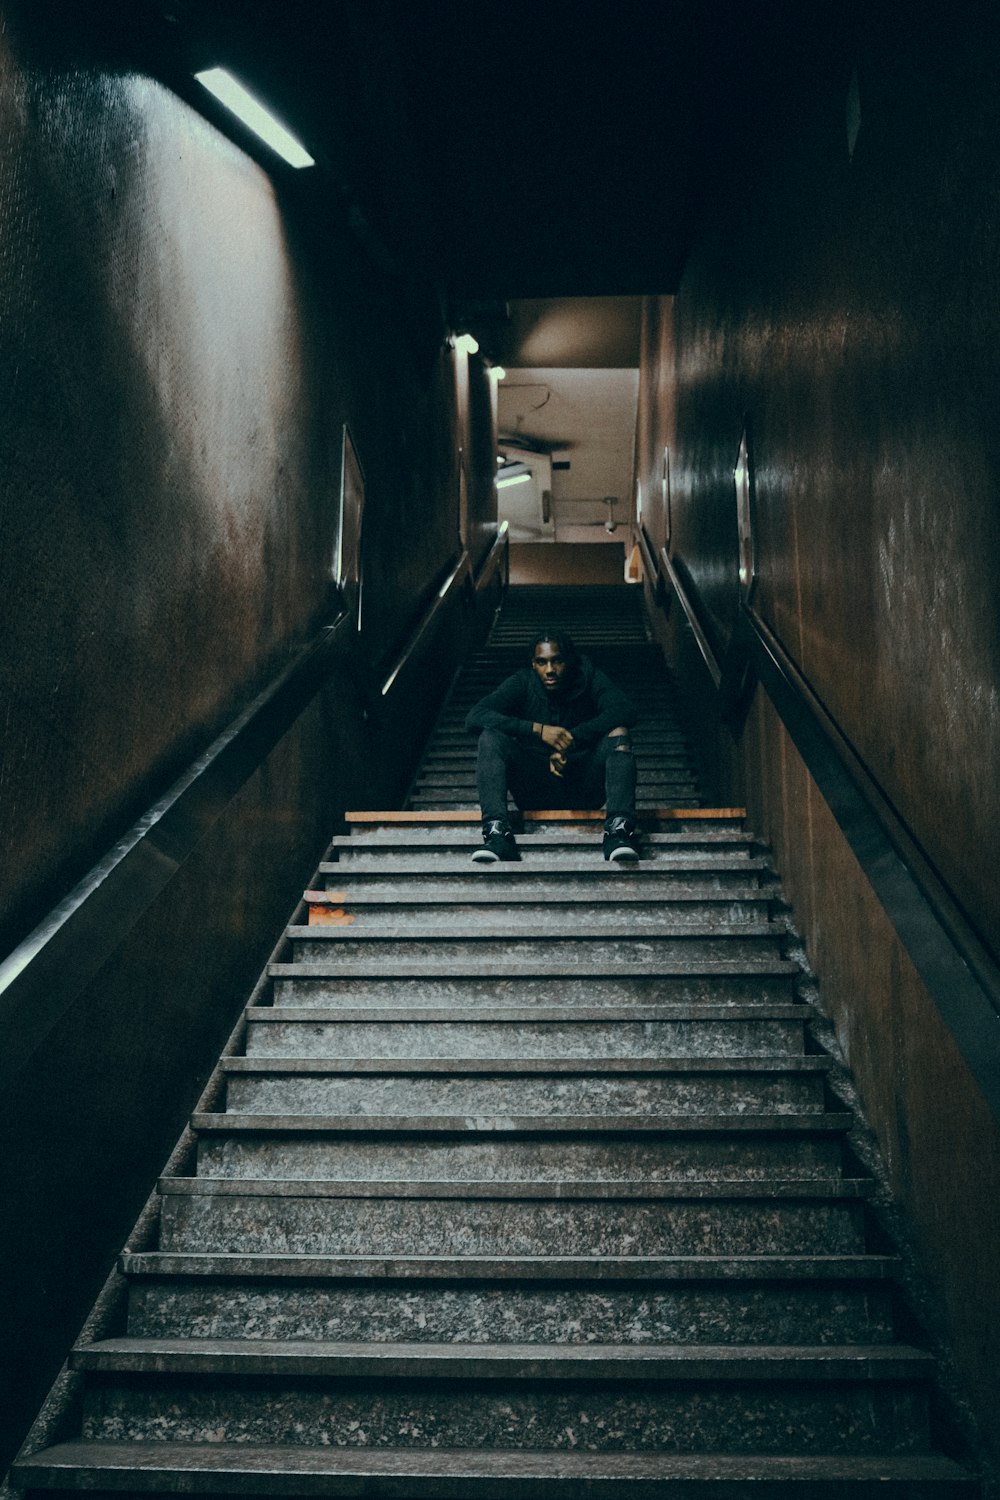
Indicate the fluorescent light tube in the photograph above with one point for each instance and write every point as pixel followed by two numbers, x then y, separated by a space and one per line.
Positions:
pixel 248 109
pixel 514 479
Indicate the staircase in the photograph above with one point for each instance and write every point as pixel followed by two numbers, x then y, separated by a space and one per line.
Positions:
pixel 529 1183
pixel 610 626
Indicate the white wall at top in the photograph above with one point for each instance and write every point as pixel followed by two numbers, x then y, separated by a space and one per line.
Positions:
pixel 586 417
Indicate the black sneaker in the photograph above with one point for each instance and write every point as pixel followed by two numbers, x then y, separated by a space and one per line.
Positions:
pixel 498 843
pixel 619 841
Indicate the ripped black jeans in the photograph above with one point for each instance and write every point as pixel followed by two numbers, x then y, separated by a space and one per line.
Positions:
pixel 603 775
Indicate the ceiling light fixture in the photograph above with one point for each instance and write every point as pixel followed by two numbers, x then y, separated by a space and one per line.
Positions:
pixel 260 120
pixel 515 472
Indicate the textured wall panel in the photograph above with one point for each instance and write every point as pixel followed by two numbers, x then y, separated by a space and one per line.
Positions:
pixel 849 307
pixel 178 361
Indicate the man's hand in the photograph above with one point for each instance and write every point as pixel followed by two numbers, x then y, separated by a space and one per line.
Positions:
pixel 557 763
pixel 556 737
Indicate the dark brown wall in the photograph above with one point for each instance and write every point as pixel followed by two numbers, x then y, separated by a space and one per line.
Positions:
pixel 481 462
pixel 849 308
pixel 183 340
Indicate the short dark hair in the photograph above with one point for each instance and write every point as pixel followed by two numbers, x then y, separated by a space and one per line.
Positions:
pixel 557 638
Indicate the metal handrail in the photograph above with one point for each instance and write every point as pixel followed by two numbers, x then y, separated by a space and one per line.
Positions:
pixel 956 967
pixel 687 605
pixel 646 552
pixel 456 578
pixel 499 553
pixel 45 973
pixel 49 969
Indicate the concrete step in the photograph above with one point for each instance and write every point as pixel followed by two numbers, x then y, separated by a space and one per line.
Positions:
pixel 696 829
pixel 629 908
pixel 392 1473
pixel 592 941
pixel 458 843
pixel 699 1399
pixel 788 1300
pixel 712 1364
pixel 339 1087
pixel 459 791
pixel 393 1218
pixel 526 1031
pixel 470 987
pixel 516 1149
pixel 643 804
pixel 572 872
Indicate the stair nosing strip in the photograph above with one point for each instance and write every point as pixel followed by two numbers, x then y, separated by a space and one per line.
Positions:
pixel 756 1190
pixel 514 1014
pixel 476 967
pixel 737 1363
pixel 668 1269
pixel 478 895
pixel 475 1472
pixel 499 932
pixel 804 1064
pixel 510 1127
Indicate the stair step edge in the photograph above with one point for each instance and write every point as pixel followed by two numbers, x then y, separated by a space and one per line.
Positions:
pixel 644 1190
pixel 517 1015
pixel 603 1268
pixel 472 967
pixel 729 1363
pixel 510 1126
pixel 467 1474
pixel 793 1063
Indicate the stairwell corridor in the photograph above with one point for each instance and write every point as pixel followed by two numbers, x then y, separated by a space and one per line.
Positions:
pixel 524 1180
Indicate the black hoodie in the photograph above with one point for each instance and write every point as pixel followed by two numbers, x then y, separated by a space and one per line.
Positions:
pixel 588 705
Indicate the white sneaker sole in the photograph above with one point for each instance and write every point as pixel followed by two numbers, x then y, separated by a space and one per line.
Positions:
pixel 485 857
pixel 623 856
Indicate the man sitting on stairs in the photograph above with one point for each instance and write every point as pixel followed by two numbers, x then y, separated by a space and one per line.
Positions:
pixel 555 734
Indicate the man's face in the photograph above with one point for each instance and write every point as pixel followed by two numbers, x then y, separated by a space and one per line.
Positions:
pixel 549 665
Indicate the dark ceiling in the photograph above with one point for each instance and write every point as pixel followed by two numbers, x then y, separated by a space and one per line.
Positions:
pixel 501 149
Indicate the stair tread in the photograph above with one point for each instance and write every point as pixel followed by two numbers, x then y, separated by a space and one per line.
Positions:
pixel 476 893
pixel 510 1014
pixel 485 929
pixel 466 1464
pixel 566 817
pixel 447 829
pixel 386 868
pixel 824 1189
pixel 485 1267
pixel 513 1361
pixel 460 1474
pixel 453 1066
pixel 647 1123
pixel 472 967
